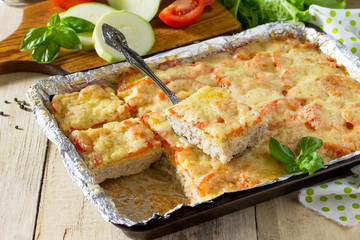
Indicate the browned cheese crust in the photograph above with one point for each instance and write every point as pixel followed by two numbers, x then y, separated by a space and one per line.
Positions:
pixel 91 107
pixel 117 149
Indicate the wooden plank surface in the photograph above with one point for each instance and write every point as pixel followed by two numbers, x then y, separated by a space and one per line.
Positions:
pixel 12 16
pixel 285 218
pixel 22 160
pixel 238 225
pixel 64 212
pixel 214 21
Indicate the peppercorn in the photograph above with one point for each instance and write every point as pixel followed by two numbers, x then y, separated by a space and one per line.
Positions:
pixel 3 114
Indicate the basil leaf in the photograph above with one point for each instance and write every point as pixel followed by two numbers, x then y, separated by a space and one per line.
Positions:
pixel 78 24
pixel 311 163
pixel 33 38
pixel 54 21
pixel 46 41
pixel 307 161
pixel 46 52
pixel 67 38
pixel 307 145
pixel 291 167
pixel 281 152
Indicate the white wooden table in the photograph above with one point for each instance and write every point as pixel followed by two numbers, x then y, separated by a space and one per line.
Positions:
pixel 40 201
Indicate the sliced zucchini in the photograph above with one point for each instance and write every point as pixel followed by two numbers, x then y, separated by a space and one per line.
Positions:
pixel 138 32
pixel 91 12
pixel 86 40
pixel 146 9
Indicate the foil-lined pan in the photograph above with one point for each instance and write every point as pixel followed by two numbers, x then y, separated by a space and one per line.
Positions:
pixel 183 215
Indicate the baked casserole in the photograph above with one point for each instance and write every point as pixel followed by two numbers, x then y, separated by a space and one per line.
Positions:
pixel 296 90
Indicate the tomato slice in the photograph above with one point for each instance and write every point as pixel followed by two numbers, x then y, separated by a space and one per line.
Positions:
pixel 66 4
pixel 182 13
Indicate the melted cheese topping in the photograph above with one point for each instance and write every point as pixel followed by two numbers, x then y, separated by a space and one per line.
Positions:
pixel 214 112
pixel 199 71
pixel 299 53
pixel 115 141
pixel 256 92
pixel 92 106
pixel 144 96
pixel 159 124
pixel 233 71
pixel 307 72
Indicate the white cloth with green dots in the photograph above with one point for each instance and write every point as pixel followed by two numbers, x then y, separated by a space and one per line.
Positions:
pixel 342 24
pixel 338 200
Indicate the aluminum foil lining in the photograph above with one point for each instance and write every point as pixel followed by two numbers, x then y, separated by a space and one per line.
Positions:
pixel 40 93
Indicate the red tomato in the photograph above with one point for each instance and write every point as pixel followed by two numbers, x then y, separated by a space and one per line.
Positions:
pixel 66 4
pixel 182 13
pixel 209 2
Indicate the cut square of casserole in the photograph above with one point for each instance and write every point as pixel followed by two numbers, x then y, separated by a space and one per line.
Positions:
pixel 91 107
pixel 118 148
pixel 218 125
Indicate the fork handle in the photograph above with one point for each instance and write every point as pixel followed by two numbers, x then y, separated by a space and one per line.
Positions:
pixel 117 40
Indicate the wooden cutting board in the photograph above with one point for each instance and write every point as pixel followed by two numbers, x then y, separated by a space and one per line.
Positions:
pixel 214 21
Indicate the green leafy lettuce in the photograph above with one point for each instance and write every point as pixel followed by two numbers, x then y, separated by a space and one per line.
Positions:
pixel 255 12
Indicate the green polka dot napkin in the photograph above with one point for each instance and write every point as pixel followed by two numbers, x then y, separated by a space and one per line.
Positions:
pixel 338 200
pixel 342 24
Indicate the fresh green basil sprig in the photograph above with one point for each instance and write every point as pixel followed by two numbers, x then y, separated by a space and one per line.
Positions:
pixel 307 161
pixel 46 41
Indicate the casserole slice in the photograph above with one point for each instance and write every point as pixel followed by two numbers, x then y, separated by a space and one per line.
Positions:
pixel 117 149
pixel 90 108
pixel 212 121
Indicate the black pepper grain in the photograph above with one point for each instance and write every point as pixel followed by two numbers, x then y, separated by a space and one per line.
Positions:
pixel 18 128
pixel 15 99
pixel 7 102
pixel 24 103
pixel 3 114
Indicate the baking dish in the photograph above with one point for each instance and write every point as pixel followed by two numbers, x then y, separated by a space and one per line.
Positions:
pixel 184 215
